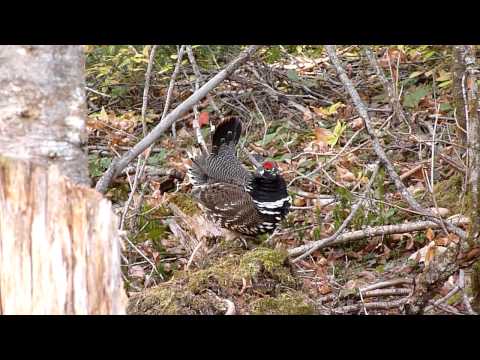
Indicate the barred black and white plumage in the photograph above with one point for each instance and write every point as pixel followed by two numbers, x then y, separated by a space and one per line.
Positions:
pixel 236 199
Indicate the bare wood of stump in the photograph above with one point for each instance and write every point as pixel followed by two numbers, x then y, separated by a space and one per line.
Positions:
pixel 59 246
pixel 362 110
pixel 118 165
pixel 42 107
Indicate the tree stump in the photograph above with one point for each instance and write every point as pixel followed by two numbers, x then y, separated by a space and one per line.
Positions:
pixel 59 245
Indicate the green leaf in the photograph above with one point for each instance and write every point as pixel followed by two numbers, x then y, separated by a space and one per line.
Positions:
pixel 445 84
pixel 445 107
pixel 97 166
pixel 412 98
pixel 157 158
pixel 292 75
pixel 337 132
pixel 415 74
pixel 268 138
pixel 282 157
pixel 332 109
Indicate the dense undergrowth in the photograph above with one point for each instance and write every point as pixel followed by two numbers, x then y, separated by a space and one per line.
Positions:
pixel 296 112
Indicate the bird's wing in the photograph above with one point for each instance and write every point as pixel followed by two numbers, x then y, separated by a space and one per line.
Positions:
pixel 230 206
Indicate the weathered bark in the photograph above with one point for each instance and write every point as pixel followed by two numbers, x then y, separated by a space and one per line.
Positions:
pixel 458 71
pixel 59 245
pixel 42 102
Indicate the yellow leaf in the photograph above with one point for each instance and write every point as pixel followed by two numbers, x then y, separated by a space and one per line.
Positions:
pixel 444 75
pixel 332 109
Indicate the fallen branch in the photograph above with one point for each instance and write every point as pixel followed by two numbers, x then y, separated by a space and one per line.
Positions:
pixel 370 293
pixel 376 231
pixel 118 165
pixel 387 283
pixel 381 305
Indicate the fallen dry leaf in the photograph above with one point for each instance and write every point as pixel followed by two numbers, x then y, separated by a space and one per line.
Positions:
pixel 357 123
pixel 344 175
pixel 136 271
pixel 324 289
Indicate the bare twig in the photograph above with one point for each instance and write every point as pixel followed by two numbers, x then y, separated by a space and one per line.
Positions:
pixel 387 292
pixel 198 75
pixel 97 92
pixel 173 78
pixel 140 166
pixel 119 164
pixel 190 260
pixel 387 283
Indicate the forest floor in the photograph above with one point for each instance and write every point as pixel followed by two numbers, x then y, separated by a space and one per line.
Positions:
pixel 296 112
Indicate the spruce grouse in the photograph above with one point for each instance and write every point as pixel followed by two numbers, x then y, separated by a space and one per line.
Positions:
pixel 236 199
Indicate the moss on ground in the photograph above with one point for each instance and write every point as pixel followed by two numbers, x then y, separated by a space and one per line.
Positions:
pixel 258 281
pixel 448 192
pixel 288 303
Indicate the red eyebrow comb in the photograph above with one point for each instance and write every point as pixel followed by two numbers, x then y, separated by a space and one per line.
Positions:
pixel 268 165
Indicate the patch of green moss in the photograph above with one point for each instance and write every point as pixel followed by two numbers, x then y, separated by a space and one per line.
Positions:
pixel 221 274
pixel 173 299
pixel 260 272
pixel 273 261
pixel 259 265
pixel 289 303
pixel 159 300
pixel 185 203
